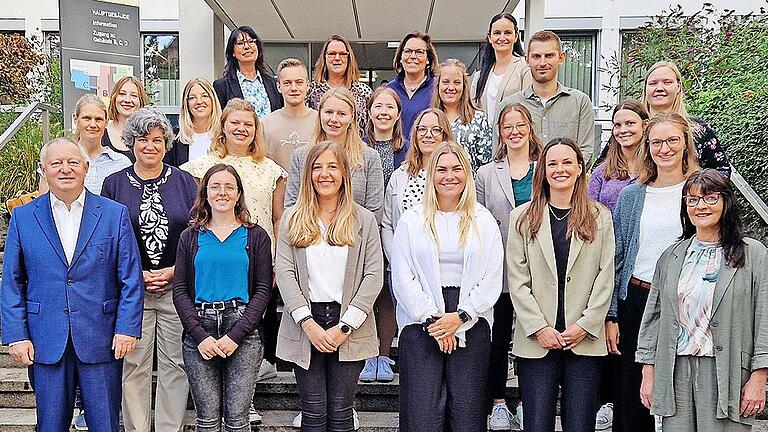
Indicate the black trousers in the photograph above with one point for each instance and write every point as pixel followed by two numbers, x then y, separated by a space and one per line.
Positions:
pixel 444 392
pixel 327 389
pixel 501 336
pixel 540 379
pixel 271 325
pixel 629 413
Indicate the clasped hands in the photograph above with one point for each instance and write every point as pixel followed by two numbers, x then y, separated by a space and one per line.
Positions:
pixel 325 341
pixel 158 281
pixel 443 329
pixel 210 347
pixel 549 338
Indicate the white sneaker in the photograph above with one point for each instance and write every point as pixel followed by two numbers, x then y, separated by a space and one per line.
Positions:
pixel 604 418
pixel 519 416
pixel 253 416
pixel 266 371
pixel 500 418
pixel 355 420
pixel 658 423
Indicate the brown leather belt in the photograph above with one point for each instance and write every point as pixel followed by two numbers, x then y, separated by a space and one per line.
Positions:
pixel 639 283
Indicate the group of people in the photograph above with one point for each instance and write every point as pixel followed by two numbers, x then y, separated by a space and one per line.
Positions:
pixel 457 213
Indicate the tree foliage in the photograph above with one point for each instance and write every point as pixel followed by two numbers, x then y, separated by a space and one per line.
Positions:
pixel 18 61
pixel 723 58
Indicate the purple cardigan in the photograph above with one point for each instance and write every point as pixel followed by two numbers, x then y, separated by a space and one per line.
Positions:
pixel 606 190
pixel 420 101
pixel 259 250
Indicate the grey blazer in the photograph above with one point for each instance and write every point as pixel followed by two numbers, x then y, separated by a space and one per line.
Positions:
pixel 363 280
pixel 739 326
pixel 494 191
pixel 367 182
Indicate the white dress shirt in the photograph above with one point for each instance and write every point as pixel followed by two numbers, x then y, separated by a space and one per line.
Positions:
pixel 67 222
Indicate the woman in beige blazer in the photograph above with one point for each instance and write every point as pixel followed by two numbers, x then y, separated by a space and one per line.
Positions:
pixel 560 261
pixel 704 335
pixel 329 270
pixel 503 70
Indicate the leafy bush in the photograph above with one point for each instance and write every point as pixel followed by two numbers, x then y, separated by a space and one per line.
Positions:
pixel 722 57
pixel 18 61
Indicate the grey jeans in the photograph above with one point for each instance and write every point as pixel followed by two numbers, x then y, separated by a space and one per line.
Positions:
pixel 223 387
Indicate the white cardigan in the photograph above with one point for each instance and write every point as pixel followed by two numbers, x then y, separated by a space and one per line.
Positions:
pixel 416 271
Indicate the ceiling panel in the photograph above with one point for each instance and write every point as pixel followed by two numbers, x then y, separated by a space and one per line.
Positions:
pixel 393 21
pixel 317 20
pixel 259 14
pixel 454 20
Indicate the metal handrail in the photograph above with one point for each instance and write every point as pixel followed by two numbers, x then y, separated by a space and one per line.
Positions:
pixel 749 194
pixel 26 114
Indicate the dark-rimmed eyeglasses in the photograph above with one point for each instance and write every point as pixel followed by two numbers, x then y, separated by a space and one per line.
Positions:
pixel 242 43
pixel 672 142
pixel 434 131
pixel 694 200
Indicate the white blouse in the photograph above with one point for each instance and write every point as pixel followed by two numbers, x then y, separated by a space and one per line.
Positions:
pixel 451 255
pixel 660 227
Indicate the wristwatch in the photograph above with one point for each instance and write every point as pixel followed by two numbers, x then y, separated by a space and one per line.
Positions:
pixel 347 330
pixel 463 315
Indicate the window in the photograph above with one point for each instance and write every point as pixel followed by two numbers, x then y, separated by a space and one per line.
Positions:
pixel 578 71
pixel 161 68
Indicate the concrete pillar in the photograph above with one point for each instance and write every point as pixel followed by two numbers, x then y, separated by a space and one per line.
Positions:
pixel 534 16
pixel 201 42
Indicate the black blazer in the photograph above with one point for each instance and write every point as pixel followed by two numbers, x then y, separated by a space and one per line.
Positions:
pixel 229 88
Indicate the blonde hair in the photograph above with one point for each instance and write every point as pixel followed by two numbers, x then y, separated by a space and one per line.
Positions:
pixel 88 99
pixel 303 228
pixel 352 73
pixel 648 169
pixel 143 97
pixel 414 155
pixel 186 128
pixel 290 62
pixel 256 149
pixel 467 200
pixel 354 147
pixel 466 108
pixel 678 106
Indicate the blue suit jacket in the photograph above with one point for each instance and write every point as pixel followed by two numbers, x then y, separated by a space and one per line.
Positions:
pixel 100 294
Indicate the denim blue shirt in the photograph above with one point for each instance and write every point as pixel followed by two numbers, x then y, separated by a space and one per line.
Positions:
pixel 255 93
pixel 221 267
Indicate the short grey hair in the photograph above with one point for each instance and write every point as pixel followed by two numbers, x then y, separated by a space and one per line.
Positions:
pixel 144 120
pixel 60 140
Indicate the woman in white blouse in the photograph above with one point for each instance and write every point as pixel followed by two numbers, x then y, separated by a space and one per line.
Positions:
pixel 329 270
pixel 447 260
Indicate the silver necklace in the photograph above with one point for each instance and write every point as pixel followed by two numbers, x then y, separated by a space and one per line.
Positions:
pixel 559 218
pixel 223 226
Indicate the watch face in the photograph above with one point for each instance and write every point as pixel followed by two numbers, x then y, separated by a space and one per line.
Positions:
pixel 346 329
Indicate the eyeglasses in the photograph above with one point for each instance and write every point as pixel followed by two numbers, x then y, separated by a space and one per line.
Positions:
pixel 693 201
pixel 418 52
pixel 672 142
pixel 216 188
pixel 242 43
pixel 333 54
pixel 520 127
pixel 195 98
pixel 434 131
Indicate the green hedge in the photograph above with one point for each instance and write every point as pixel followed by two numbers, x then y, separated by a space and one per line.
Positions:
pixel 724 61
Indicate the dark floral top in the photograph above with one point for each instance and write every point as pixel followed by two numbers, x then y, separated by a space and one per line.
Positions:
pixel 710 152
pixel 476 138
pixel 361 92
pixel 387 158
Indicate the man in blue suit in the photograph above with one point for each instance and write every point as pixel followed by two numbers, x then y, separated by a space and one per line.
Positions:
pixel 72 293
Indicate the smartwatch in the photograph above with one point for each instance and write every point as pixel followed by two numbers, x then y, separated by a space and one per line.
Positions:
pixel 463 315
pixel 347 330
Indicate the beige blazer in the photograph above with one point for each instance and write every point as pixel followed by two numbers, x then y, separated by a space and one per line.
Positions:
pixel 516 78
pixel 738 322
pixel 533 284
pixel 363 280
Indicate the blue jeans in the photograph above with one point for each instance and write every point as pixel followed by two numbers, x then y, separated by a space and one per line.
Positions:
pixel 223 387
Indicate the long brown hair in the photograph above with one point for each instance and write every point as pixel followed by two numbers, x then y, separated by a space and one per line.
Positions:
pixel 257 150
pixel 534 143
pixel 397 130
pixel 414 155
pixel 143 97
pixel 352 73
pixel 584 211
pixel 467 109
pixel 200 214
pixel 648 169
pixel 303 229
pixel 615 164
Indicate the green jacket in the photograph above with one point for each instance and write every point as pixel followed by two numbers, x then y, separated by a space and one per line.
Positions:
pixel 739 326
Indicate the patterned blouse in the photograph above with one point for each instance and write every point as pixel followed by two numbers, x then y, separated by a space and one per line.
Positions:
pixel 414 190
pixel 476 137
pixel 259 183
pixel 695 293
pixel 255 93
pixel 361 92
pixel 387 158
pixel 709 150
